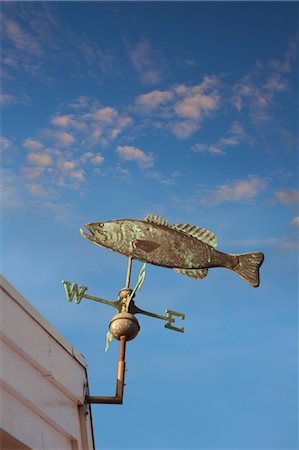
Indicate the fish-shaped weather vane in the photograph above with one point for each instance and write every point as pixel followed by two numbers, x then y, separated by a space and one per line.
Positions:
pixel 188 249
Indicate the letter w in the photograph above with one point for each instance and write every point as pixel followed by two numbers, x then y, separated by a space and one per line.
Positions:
pixel 74 290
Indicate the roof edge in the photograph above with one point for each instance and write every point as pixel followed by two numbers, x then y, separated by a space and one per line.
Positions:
pixel 33 312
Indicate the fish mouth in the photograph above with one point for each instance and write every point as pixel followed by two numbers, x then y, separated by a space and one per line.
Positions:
pixel 98 236
pixel 90 237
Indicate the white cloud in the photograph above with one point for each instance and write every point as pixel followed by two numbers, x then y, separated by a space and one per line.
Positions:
pixel 86 156
pixel 288 244
pixel 95 58
pixel 39 159
pixel 121 123
pixel 229 141
pixel 78 175
pixel 102 125
pixel 32 144
pixel 123 174
pixel 5 143
pixel 258 90
pixel 183 129
pixel 22 40
pixel 97 134
pixel 81 102
pixel 206 148
pixel 36 190
pixel 62 121
pixel 97 159
pixel 63 138
pixel 32 172
pixel 275 83
pixel 284 65
pixel 194 104
pixel 181 109
pixel 69 165
pixel 235 192
pixel 35 40
pixel 68 162
pixel 154 98
pixel 6 99
pixel 143 60
pixel 11 193
pixel 105 115
pixel 10 99
pixel 92 157
pixel 129 153
pixel 10 61
pixel 233 138
pixel 295 222
pixel 287 196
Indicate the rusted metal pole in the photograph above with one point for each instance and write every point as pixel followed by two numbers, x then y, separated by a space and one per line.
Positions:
pixel 121 369
pixel 120 382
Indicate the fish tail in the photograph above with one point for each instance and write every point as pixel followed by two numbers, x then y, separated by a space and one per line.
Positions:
pixel 248 267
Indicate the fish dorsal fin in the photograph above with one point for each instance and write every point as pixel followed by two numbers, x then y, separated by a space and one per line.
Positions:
pixel 156 219
pixel 199 233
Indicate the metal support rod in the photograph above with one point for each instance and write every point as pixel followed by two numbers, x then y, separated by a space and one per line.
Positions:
pixel 120 382
pixel 129 269
pixel 121 369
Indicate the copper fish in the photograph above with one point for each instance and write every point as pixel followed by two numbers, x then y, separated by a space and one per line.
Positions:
pixel 187 249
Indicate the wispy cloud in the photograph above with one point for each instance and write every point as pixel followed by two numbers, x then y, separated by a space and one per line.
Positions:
pixel 214 149
pixel 287 244
pixel 22 47
pixel 129 153
pixel 32 172
pixel 12 99
pixel 145 63
pixel 234 137
pixel 36 190
pixel 12 197
pixel 22 40
pixel 241 190
pixel 287 196
pixel 34 38
pixel 257 91
pixel 290 242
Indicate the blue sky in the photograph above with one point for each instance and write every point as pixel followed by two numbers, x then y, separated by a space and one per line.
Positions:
pixel 188 111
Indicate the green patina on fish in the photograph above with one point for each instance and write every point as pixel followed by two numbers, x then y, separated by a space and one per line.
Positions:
pixel 187 249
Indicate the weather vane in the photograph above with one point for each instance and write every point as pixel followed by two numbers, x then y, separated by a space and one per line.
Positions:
pixel 187 249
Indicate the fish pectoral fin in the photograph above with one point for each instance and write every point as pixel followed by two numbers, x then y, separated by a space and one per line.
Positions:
pixel 192 273
pixel 156 219
pixel 199 233
pixel 146 246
